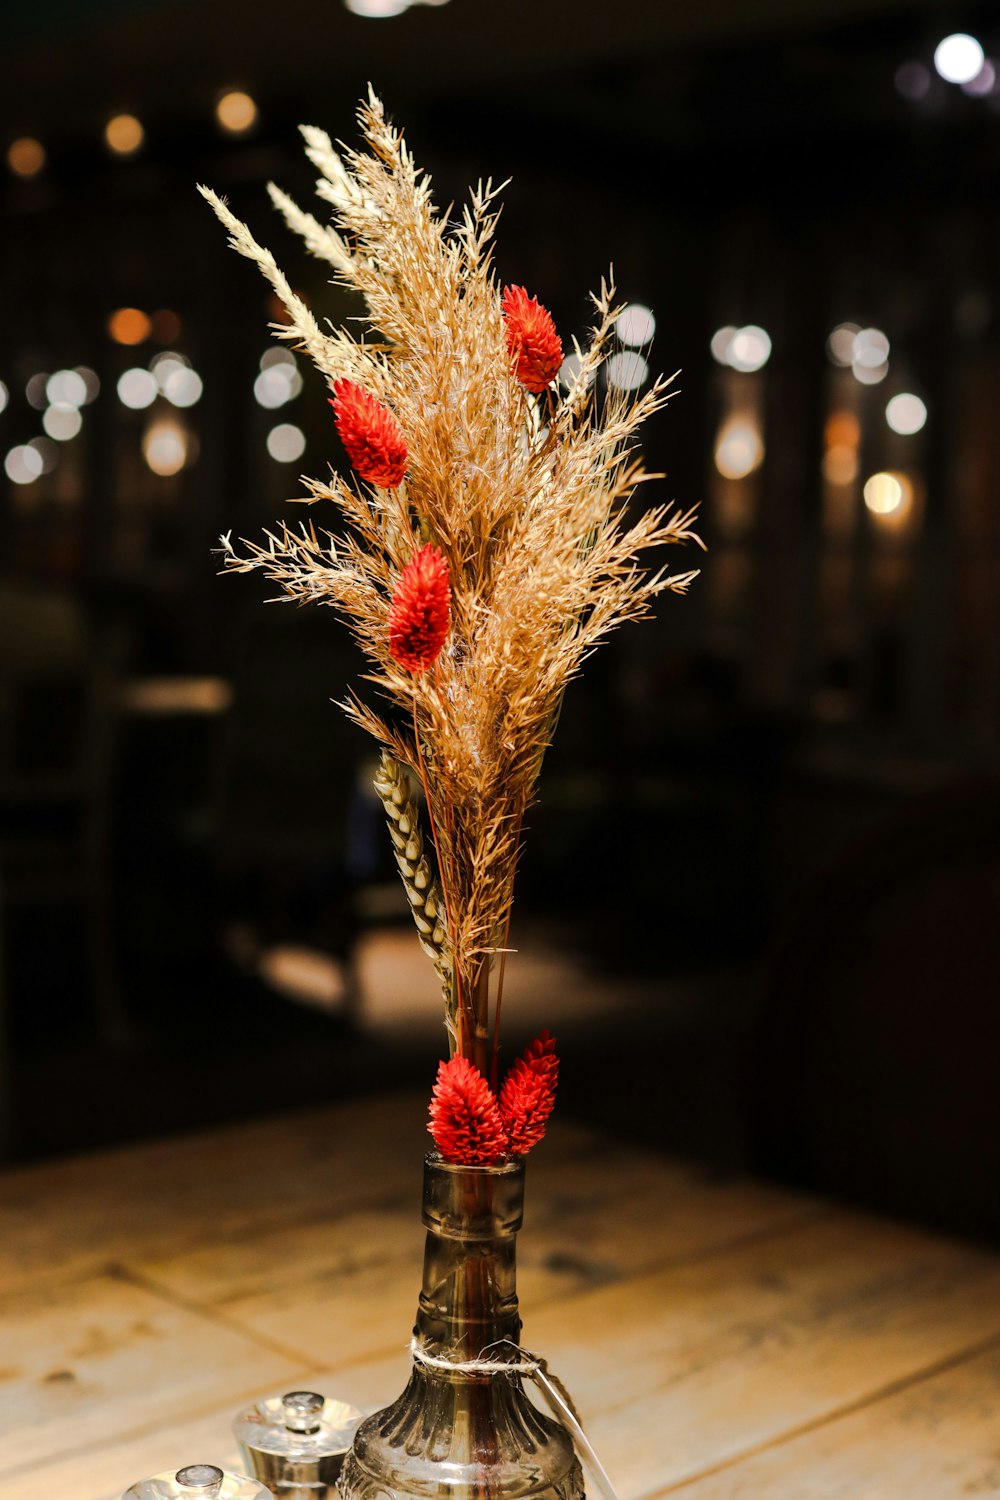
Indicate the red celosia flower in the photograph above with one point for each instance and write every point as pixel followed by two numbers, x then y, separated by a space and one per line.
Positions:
pixel 372 436
pixel 529 1094
pixel 465 1120
pixel 531 337
pixel 420 612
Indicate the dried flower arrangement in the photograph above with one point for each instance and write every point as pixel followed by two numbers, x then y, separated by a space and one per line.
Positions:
pixel 486 551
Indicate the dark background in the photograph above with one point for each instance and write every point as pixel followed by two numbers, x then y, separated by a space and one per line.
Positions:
pixel 765 868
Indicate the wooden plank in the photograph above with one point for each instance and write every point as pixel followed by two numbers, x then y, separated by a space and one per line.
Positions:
pixel 76 1217
pixel 92 1361
pixel 938 1439
pixel 681 1370
pixel 344 1287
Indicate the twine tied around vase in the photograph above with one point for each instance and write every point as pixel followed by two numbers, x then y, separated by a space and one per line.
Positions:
pixel 557 1398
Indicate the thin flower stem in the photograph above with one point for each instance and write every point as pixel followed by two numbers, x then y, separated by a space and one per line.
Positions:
pixel 445 893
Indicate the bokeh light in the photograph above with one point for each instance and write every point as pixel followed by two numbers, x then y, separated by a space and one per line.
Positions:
pixel 124 135
pixel 92 385
pixel 23 464
pixel 236 112
pixel 48 452
pixel 627 371
pixel 958 58
pixel 721 339
pixel 278 382
pixel 906 413
pixel 166 326
pixel 984 83
pixel 739 449
pixel 840 464
pixel 4 396
pixel 137 388
pixel 286 443
pixel 62 422
pixel 377 10
pixel 840 344
pixel 887 493
pixel 34 391
pixel 913 81
pixel 26 158
pixel 635 325
pixel 66 388
pixel 165 447
pixel 182 386
pixel 129 325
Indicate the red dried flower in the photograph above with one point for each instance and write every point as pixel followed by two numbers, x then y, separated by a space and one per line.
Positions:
pixel 531 337
pixel 465 1119
pixel 420 612
pixel 372 436
pixel 529 1094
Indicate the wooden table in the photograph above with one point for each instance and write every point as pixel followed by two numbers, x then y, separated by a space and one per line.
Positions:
pixel 722 1338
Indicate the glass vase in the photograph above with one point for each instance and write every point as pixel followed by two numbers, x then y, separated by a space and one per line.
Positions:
pixel 455 1434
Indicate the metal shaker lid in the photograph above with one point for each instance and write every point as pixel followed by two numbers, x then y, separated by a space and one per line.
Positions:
pixel 198 1482
pixel 301 1438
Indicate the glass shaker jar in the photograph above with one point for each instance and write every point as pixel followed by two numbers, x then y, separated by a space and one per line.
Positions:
pixel 296 1444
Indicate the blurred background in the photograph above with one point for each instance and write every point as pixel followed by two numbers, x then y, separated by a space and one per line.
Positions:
pixel 760 903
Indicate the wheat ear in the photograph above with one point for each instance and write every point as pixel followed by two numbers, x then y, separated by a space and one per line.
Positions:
pixel 395 793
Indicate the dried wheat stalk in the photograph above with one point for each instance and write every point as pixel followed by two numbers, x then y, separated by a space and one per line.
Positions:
pixel 527 497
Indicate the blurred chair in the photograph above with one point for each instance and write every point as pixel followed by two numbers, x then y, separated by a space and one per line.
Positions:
pixel 56 746
pixel 878 1066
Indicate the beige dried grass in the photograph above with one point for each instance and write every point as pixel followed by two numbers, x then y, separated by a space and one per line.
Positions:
pixel 527 497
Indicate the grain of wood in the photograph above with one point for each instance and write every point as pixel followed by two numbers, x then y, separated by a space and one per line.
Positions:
pixel 678 1371
pixel 938 1439
pixel 92 1361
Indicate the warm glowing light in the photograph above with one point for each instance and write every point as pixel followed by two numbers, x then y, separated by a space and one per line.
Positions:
pixel 123 134
pixel 48 452
pixel 277 384
pixel 739 449
pixel 236 112
pixel 959 58
pixel 165 447
pixel 286 443
pixel 4 396
pixel 26 158
pixel 166 326
pixel 627 372
pixel 66 388
pixel 840 344
pixel 635 325
pixel 913 81
pixel 129 326
pixel 23 465
pixel 887 494
pixel 62 422
pixel 840 464
pixel 377 9
pixel 35 391
pixel 842 430
pixel 303 973
pixel 137 389
pixel 92 386
pixel 182 386
pixel 906 413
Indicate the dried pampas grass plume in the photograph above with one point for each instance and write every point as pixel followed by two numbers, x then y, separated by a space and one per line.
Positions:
pixel 524 496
